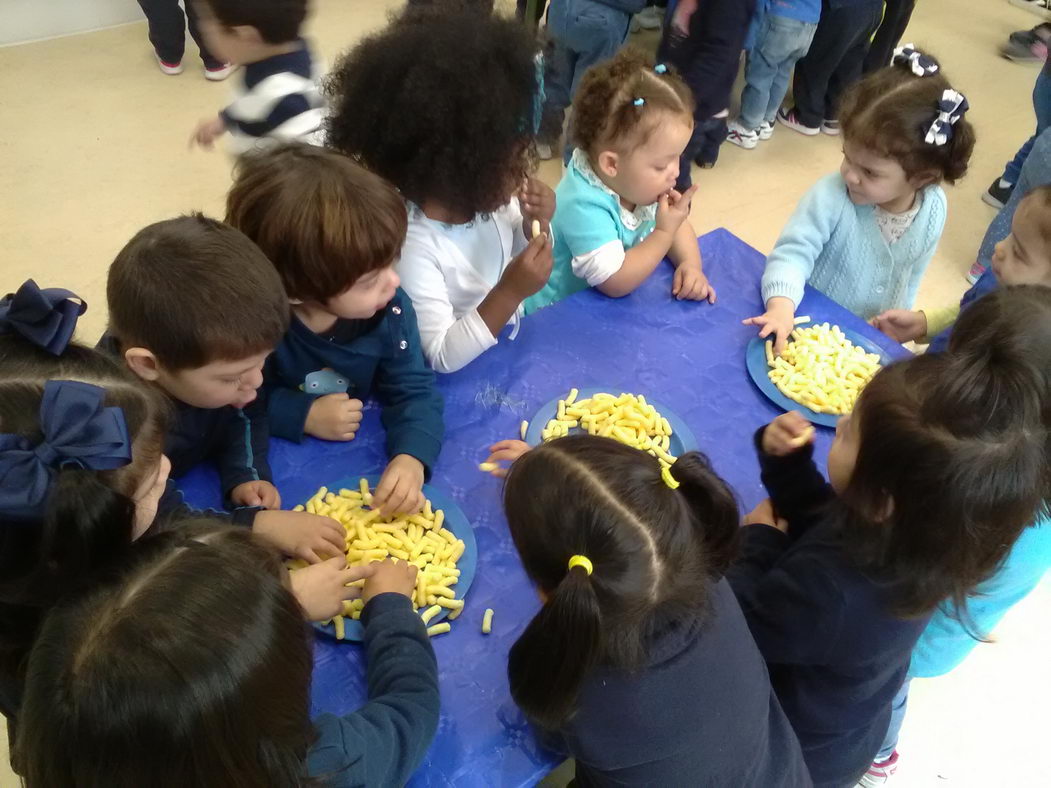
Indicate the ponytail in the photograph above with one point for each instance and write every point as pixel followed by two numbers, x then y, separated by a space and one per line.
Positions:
pixel 559 647
pixel 714 507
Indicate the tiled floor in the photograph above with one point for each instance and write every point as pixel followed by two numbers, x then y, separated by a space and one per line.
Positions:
pixel 94 146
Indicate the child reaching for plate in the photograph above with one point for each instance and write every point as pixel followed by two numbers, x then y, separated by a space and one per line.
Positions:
pixel 865 235
pixel 617 212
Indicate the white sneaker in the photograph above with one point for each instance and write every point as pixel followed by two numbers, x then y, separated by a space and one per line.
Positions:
pixel 171 69
pixel 740 136
pixel 221 73
pixel 765 130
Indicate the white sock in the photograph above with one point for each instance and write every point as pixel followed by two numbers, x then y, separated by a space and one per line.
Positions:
pixel 1005 184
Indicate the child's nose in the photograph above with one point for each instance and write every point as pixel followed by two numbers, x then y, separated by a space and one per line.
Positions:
pixel 253 379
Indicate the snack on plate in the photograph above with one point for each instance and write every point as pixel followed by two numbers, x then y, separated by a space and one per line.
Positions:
pixel 420 539
pixel 627 418
pixel 821 369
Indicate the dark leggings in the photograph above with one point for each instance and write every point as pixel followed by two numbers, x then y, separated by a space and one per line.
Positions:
pixel 168 30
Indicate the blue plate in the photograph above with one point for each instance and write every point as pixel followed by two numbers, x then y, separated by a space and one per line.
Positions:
pixel 755 358
pixel 682 439
pixel 455 520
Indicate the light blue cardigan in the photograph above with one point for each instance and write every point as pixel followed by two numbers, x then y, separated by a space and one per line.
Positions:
pixel 837 247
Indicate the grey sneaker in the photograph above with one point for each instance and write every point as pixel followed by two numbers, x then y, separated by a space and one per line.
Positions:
pixel 765 130
pixel 830 127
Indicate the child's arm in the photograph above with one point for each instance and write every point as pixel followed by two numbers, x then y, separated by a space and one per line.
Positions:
pixel 208 131
pixel 244 470
pixel 384 741
pixel 796 487
pixel 292 413
pixel 915 325
pixel 690 283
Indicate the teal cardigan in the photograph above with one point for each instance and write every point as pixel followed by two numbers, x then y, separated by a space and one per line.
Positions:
pixel 837 247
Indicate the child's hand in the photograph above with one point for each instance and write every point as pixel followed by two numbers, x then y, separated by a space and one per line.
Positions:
pixel 301 534
pixel 778 319
pixel 764 514
pixel 508 451
pixel 320 589
pixel 538 202
pixel 400 490
pixel 208 131
pixel 901 325
pixel 690 284
pixel 788 433
pixel 673 209
pixel 529 271
pixel 390 577
pixel 258 493
pixel 334 417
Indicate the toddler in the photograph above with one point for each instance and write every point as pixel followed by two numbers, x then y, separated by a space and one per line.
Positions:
pixel 865 235
pixel 618 212
pixel 333 231
pixel 444 106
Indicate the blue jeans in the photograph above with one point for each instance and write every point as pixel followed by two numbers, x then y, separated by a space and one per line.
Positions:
pixel 1042 105
pixel 779 44
pixel 897 717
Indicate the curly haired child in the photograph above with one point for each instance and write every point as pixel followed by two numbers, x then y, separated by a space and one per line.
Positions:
pixel 445 106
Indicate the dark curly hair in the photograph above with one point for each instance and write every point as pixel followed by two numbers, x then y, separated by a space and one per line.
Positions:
pixel 890 111
pixel 442 105
pixel 605 109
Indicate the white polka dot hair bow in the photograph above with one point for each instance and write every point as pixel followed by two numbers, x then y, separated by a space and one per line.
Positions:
pixel 920 64
pixel 951 108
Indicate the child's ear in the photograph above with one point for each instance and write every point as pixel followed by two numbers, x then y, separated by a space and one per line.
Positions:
pixel 143 363
pixel 921 179
pixel 609 163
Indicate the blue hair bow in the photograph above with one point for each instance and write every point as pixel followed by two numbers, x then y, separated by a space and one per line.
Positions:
pixel 78 431
pixel 920 64
pixel 951 108
pixel 46 317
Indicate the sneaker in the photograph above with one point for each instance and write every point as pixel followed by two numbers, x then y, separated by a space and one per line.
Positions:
pixel 704 165
pixel 973 275
pixel 790 119
pixel 1041 32
pixel 880 772
pixel 1035 52
pixel 545 151
pixel 219 73
pixel 1038 7
pixel 998 193
pixel 740 136
pixel 830 127
pixel 170 69
pixel 765 130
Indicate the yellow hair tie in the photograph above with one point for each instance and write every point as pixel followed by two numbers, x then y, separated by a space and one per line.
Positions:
pixel 582 561
pixel 668 478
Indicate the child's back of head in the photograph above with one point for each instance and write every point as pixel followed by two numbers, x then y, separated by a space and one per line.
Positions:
pixel 616 554
pixel 191 667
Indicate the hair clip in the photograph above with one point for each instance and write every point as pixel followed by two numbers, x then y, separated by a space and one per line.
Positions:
pixel 583 562
pixel 660 68
pixel 639 102
pixel 920 64
pixel 951 108
pixel 46 316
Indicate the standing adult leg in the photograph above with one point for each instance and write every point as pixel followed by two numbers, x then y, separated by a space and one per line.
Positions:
pixel 831 39
pixel 167 27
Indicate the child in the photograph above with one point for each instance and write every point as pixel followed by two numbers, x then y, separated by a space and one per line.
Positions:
pixel 581 34
pixel 333 231
pixel 195 308
pixel 444 107
pixel 1022 258
pixel 618 212
pixel 931 479
pixel 704 43
pixel 1015 321
pixel 782 39
pixel 167 26
pixel 831 65
pixel 279 98
pixel 865 235
pixel 639 659
pixel 198 649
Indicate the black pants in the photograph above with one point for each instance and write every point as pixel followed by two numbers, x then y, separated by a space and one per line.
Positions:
pixel 168 30
pixel 895 20
pixel 702 148
pixel 834 61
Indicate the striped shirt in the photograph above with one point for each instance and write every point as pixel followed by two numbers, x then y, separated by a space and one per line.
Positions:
pixel 278 99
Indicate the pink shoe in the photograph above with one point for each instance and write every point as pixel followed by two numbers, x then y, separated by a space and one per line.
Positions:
pixel 171 69
pixel 977 269
pixel 219 73
pixel 880 772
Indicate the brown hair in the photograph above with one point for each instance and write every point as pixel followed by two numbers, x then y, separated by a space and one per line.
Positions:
pixel 323 220
pixel 1040 197
pixel 193 290
pixel 278 21
pixel 605 108
pixel 890 112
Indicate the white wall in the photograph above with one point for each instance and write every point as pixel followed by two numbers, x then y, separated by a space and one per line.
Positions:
pixel 28 20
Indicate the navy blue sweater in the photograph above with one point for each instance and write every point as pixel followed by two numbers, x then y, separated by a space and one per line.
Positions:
pixel 385 359
pixel 836 655
pixel 700 713
pixel 384 741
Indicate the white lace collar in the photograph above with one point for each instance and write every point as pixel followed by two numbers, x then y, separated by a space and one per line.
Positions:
pixel 631 219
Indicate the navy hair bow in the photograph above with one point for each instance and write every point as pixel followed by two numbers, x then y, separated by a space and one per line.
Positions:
pixel 920 64
pixel 46 317
pixel 950 109
pixel 78 431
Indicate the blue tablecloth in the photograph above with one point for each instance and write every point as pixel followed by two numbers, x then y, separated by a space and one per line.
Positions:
pixel 688 356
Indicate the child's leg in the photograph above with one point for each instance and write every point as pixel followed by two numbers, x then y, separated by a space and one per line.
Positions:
pixel 864 19
pixel 191 13
pixel 1042 107
pixel 558 79
pixel 895 19
pixel 831 39
pixel 167 27
pixel 759 73
pixel 787 42
pixel 897 717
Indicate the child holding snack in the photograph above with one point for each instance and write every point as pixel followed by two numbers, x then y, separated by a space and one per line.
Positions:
pixel 333 230
pixel 445 105
pixel 929 486
pixel 639 660
pixel 618 212
pixel 865 235
pixel 198 648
